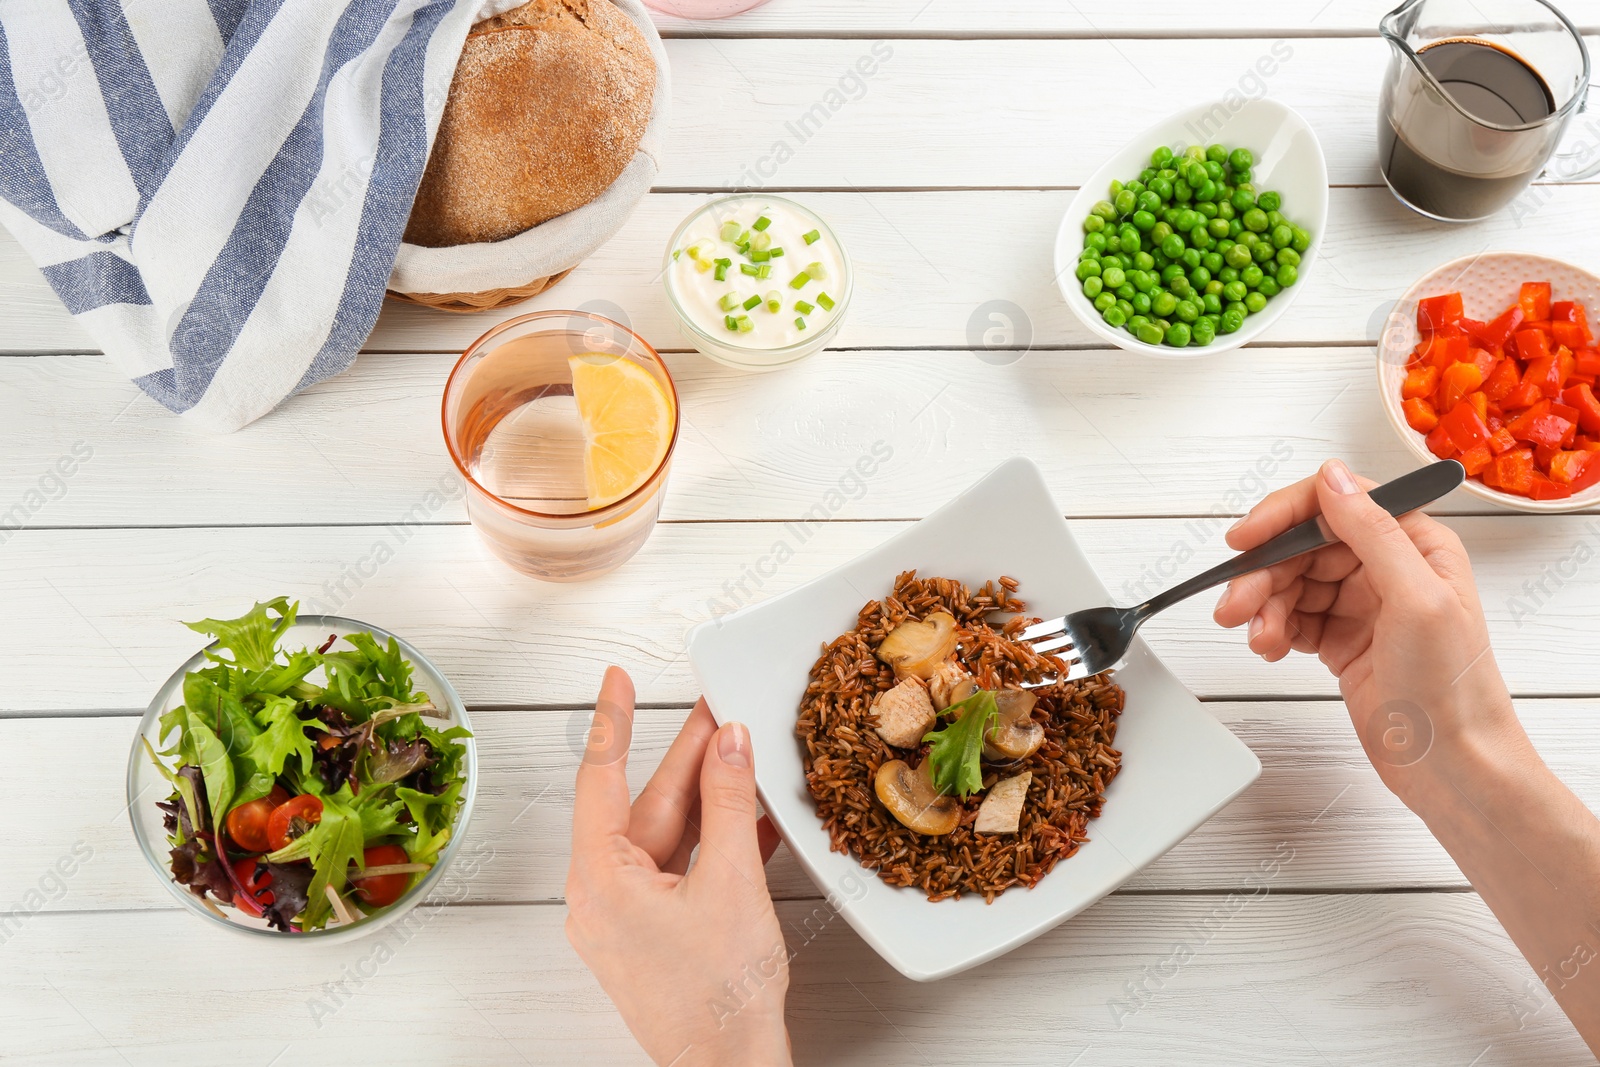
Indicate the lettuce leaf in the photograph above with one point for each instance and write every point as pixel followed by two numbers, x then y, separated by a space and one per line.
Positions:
pixel 252 637
pixel 957 750
pixel 211 756
pixel 332 846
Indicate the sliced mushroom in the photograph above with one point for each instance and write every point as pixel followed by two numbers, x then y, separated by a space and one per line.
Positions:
pixel 1014 734
pixel 916 649
pixel 950 684
pixel 912 799
pixel 905 713
pixel 1001 810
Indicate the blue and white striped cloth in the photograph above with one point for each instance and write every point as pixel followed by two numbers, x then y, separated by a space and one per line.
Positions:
pixel 216 189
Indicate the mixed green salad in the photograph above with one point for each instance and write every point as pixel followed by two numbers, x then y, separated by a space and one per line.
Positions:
pixel 302 801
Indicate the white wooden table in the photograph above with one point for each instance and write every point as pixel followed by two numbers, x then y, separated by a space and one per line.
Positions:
pixel 946 172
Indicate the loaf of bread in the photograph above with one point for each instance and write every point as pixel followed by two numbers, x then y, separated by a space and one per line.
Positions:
pixel 547 107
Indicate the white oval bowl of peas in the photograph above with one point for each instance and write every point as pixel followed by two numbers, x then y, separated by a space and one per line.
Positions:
pixel 1226 204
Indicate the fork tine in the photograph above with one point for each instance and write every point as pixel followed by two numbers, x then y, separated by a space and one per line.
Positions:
pixel 1077 671
pixel 1057 644
pixel 1042 629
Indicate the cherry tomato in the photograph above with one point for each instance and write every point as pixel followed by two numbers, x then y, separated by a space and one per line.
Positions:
pixel 292 819
pixel 384 889
pixel 247 824
pixel 256 884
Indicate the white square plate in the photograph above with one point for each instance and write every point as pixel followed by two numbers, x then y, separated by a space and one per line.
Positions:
pixel 1179 765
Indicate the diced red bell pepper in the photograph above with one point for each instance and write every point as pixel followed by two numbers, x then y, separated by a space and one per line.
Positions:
pixel 1565 467
pixel 1465 426
pixel 1420 415
pixel 1480 404
pixel 1439 444
pixel 1441 350
pixel 1548 430
pixel 1544 374
pixel 1573 314
pixel 1498 383
pixel 1456 382
pixel 1543 454
pixel 1436 312
pixel 1476 460
pixel 1514 471
pixel 1587 361
pixel 1581 399
pixel 1501 441
pixel 1421 381
pixel 1570 334
pixel 1495 333
pixel 1534 297
pixel 1523 396
pixel 1589 476
pixel 1532 345
pixel 1545 489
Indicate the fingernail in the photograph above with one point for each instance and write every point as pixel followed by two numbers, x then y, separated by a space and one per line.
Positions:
pixel 1227 591
pixel 733 745
pixel 1257 624
pixel 1339 478
pixel 1237 524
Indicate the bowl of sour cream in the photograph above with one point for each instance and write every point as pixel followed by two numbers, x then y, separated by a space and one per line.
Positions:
pixel 757 281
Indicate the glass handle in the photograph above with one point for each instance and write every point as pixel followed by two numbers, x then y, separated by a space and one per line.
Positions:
pixel 1580 163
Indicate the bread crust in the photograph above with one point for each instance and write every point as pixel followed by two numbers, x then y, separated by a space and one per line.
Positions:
pixel 547 107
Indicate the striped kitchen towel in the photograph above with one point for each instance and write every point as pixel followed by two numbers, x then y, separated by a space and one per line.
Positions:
pixel 216 189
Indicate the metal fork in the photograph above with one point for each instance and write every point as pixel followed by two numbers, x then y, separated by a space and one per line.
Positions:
pixel 1096 639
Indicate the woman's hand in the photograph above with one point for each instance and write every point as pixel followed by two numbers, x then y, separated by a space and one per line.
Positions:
pixel 1392 612
pixel 695 962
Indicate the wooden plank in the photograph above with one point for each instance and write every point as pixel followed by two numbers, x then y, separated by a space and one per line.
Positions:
pixel 1146 18
pixel 932 268
pixel 1202 437
pixel 1301 981
pixel 92 619
pixel 1318 813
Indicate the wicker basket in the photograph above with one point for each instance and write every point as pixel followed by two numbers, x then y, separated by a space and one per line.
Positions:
pixel 489 300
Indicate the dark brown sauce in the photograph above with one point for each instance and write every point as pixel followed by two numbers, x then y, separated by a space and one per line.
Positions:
pixel 1488 82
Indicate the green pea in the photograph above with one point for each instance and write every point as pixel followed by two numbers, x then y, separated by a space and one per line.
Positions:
pixel 1126 291
pixel 1204 332
pixel 1178 335
pixel 1112 277
pixel 1270 201
pixel 1104 300
pixel 1231 321
pixel 1149 201
pixel 1194 151
pixel 1163 323
pixel 1182 288
pixel 1281 236
pixel 1228 274
pixel 1236 305
pixel 1093 224
pixel 1244 177
pixel 1269 287
pixel 1199 277
pixel 1135 321
pixel 1172 272
pixel 1161 156
pixel 1160 233
pixel 1241 159
pixel 1113 243
pixel 1200 239
pixel 1263 252
pixel 1144 261
pixel 1225 211
pixel 1235 227
pixel 1087 268
pixel 1149 333
pixel 1211 261
pixel 1255 220
pixel 1254 303
pixel 1124 260
pixel 1238 256
pixel 1235 290
pixel 1147 281
pixel 1113 316
pixel 1105 209
pixel 1181 191
pixel 1163 303
pixel 1217 227
pixel 1092 286
pixel 1206 191
pixel 1213 288
pixel 1242 201
pixel 1125 202
pixel 1162 188
pixel 1186 220
pixel 1287 257
pixel 1275 218
pixel 1144 176
pixel 1125 306
pixel 1211 304
pixel 1140 302
pixel 1172 246
pixel 1130 240
pixel 1216 153
pixel 1096 241
pixel 1116 187
pixel 1144 221
pixel 1251 276
pixel 1187 311
pixel 1208 210
pixel 1190 258
pixel 1214 172
pixel 1302 239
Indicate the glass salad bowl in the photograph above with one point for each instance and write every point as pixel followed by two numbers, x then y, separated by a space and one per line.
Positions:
pixel 146 785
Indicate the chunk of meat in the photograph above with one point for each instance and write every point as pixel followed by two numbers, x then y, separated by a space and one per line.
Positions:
pixel 950 684
pixel 1001 810
pixel 904 713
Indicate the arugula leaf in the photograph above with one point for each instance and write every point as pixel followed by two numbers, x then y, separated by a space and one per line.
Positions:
pixel 252 637
pixel 957 750
pixel 215 766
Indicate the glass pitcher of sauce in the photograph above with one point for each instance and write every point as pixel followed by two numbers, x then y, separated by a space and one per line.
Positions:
pixel 1475 102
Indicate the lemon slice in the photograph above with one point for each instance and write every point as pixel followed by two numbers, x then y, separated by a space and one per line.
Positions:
pixel 627 424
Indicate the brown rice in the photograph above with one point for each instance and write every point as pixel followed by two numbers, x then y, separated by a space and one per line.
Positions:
pixel 843 752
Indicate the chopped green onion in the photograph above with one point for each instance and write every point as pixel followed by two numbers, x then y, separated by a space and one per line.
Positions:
pixel 800 322
pixel 759 255
pixel 764 270
pixel 775 252
pixel 813 237
pixel 799 280
pixel 742 247
pixel 730 231
pixel 676 252
pixel 747 268
pixel 722 269
pixel 803 307
pixel 761 242
pixel 729 301
pixel 730 322
pixel 744 237
pixel 754 301
pixel 762 223
pixel 815 270
pixel 702 265
pixel 745 325
pixel 826 301
pixel 774 301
